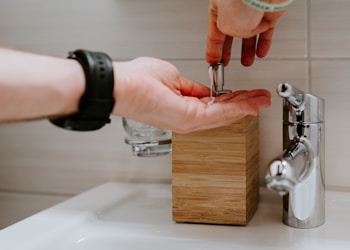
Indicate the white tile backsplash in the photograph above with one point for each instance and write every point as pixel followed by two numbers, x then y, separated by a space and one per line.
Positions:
pixel 331 82
pixel 121 28
pixel 37 157
pixel 330 28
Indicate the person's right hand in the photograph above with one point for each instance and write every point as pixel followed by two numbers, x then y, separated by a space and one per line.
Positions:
pixel 233 18
pixel 152 91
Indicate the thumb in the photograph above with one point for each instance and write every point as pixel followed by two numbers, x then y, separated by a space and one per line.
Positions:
pixel 193 88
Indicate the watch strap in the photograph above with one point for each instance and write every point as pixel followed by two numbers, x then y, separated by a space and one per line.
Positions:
pixel 97 102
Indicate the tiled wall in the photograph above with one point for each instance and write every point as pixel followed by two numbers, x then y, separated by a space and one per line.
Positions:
pixel 41 164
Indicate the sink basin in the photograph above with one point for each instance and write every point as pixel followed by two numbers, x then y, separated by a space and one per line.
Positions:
pixel 136 216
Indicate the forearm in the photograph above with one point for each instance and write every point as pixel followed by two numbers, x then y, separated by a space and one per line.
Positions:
pixel 35 86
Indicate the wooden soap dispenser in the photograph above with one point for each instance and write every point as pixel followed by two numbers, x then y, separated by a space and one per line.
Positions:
pixel 215 172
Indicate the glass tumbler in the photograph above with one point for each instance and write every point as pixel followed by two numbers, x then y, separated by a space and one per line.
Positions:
pixel 146 140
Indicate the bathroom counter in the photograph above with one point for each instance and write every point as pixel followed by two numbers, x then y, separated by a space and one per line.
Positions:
pixel 136 216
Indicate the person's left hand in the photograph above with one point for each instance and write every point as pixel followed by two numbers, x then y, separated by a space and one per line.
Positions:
pixel 152 91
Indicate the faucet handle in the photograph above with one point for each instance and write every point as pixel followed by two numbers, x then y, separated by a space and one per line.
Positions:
pixel 293 95
pixel 300 107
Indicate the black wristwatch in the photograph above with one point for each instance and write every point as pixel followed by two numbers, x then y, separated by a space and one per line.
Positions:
pixel 97 102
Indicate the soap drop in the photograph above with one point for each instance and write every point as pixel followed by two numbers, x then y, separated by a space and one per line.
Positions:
pixel 212 100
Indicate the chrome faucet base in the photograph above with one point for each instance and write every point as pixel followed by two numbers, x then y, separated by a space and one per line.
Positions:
pixel 296 217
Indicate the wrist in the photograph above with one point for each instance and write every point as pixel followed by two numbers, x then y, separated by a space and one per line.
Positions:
pixel 122 86
pixel 72 88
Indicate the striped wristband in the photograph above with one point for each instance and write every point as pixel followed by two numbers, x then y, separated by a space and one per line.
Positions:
pixel 268 7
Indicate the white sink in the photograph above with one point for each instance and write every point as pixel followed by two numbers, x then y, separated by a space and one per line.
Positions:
pixel 138 216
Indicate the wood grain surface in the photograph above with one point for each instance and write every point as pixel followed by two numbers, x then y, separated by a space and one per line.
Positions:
pixel 215 174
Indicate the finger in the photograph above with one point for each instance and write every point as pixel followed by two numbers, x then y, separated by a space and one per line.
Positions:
pixel 253 105
pixel 245 104
pixel 215 42
pixel 248 51
pixel 234 106
pixel 229 111
pixel 201 116
pixel 238 96
pixel 229 96
pixel 192 88
pixel 226 51
pixel 253 93
pixel 263 26
pixel 264 43
pixel 252 101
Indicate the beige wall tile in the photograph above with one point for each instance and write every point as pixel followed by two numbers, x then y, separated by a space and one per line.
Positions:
pixel 122 28
pixel 38 156
pixel 290 40
pixel 330 28
pixel 331 82
pixel 128 29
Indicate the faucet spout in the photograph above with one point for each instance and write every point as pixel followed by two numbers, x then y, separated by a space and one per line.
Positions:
pixel 290 168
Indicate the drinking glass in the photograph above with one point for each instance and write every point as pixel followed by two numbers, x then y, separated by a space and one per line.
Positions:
pixel 146 140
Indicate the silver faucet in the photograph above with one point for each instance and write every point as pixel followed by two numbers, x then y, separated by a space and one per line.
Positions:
pixel 298 173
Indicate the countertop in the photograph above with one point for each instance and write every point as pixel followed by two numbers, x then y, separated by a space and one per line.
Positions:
pixel 138 216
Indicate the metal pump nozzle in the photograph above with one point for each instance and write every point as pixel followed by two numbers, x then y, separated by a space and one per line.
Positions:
pixel 216 73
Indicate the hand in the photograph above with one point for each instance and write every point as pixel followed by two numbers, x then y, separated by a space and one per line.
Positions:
pixel 233 18
pixel 153 92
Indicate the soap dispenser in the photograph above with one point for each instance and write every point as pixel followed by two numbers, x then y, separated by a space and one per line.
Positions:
pixel 215 172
